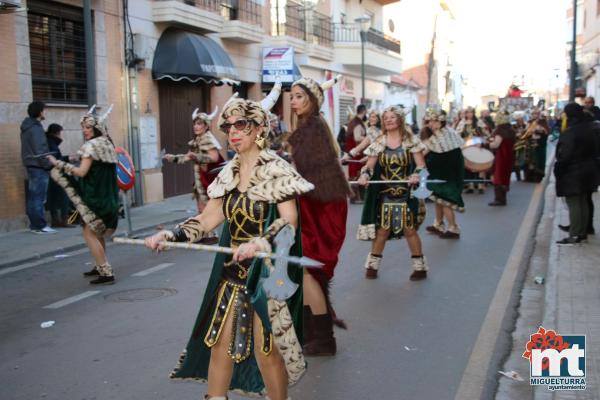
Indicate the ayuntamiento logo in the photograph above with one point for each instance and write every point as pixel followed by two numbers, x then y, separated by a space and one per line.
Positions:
pixel 556 361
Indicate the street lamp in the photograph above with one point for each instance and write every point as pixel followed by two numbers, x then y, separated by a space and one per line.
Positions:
pixel 364 22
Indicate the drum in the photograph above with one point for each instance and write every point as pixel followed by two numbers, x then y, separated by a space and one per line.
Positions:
pixel 478 159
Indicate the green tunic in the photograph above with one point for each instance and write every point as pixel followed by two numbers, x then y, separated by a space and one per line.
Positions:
pixel 100 192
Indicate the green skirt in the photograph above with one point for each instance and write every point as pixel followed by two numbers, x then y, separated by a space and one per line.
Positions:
pixel 449 166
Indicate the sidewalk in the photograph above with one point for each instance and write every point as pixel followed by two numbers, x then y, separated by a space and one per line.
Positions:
pixel 568 302
pixel 20 246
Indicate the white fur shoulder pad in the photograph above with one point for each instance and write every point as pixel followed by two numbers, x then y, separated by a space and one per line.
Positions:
pixel 273 179
pixel 99 149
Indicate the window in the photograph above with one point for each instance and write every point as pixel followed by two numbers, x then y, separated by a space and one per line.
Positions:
pixel 57 50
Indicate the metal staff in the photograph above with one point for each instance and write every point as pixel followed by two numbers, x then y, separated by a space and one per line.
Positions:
pixel 397 181
pixel 302 261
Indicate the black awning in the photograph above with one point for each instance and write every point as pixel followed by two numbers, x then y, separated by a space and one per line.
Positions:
pixel 183 55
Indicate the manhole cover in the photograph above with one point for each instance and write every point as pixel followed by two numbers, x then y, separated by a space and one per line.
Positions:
pixel 130 296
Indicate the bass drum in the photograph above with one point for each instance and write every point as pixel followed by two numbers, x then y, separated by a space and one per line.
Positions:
pixel 478 159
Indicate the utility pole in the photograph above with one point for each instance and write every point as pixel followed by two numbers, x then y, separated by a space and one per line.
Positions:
pixel 573 55
pixel 430 62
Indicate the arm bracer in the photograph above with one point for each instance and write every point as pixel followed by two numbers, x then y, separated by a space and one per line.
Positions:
pixel 191 230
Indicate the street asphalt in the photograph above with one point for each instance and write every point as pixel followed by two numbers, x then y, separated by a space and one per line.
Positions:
pixel 406 340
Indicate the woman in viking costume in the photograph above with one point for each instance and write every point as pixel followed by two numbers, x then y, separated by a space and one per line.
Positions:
pixel 241 340
pixel 503 143
pixel 204 153
pixel 444 161
pixel 373 132
pixel 469 128
pixel 390 212
pixel 323 211
pixel 96 194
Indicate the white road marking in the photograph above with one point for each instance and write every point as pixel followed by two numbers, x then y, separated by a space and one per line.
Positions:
pixel 32 264
pixel 153 269
pixel 73 299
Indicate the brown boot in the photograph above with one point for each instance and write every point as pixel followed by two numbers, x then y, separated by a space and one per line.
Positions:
pixel 499 196
pixel 323 342
pixel 307 322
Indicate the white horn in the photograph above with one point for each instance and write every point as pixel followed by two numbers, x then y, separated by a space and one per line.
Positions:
pixel 268 102
pixel 103 117
pixel 92 108
pixel 195 114
pixel 214 113
pixel 328 84
pixel 232 98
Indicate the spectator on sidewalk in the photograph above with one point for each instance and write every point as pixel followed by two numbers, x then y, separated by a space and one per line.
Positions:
pixel 576 171
pixel 34 148
pixel 57 203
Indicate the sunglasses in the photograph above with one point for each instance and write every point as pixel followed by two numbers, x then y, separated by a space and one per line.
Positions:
pixel 239 125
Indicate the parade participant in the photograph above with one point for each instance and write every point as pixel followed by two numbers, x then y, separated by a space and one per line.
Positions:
pixel 355 134
pixel 468 128
pixel 373 132
pixel 96 194
pixel 323 211
pixel 503 142
pixel 204 153
pixel 460 117
pixel 241 340
pixel 520 149
pixel 389 211
pixel 536 137
pixel 444 161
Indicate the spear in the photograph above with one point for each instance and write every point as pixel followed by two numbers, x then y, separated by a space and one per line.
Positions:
pixel 302 261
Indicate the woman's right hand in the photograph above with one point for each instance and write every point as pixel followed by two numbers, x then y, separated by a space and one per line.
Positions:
pixel 168 157
pixel 363 181
pixel 153 242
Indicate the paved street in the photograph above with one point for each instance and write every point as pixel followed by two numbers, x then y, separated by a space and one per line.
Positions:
pixel 406 340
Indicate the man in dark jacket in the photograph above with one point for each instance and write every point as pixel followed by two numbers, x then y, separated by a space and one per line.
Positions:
pixel 34 148
pixel 589 105
pixel 576 170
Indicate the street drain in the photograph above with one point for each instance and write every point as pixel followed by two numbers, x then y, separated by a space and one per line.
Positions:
pixel 133 295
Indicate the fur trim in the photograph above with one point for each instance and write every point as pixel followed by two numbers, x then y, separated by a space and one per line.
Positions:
pixel 99 149
pixel 284 337
pixel 412 143
pixel 273 180
pixel 366 232
pixel 444 140
pixel 316 158
pixel 446 203
pixel 87 215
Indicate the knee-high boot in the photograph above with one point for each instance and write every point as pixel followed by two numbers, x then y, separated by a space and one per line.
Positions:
pixel 322 342
pixel 499 196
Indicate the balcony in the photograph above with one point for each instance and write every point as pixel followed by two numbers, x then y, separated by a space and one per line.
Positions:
pixel 202 15
pixel 237 20
pixel 382 53
pixel 243 21
pixel 320 40
pixel 288 28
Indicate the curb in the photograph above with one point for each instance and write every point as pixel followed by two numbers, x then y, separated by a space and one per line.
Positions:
pixel 61 250
pixel 480 378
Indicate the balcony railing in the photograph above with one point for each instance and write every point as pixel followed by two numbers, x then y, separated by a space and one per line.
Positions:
pixel 352 33
pixel 232 10
pixel 322 29
pixel 288 18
